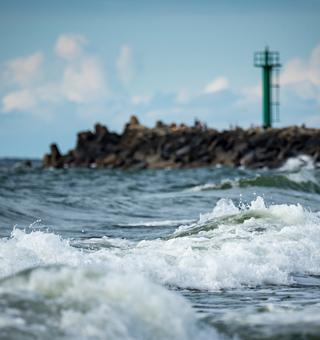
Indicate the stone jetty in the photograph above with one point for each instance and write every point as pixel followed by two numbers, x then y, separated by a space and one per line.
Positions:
pixel 181 146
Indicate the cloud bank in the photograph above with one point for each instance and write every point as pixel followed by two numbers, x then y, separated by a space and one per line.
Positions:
pixel 70 46
pixel 303 76
pixel 23 71
pixel 73 75
pixel 217 85
pixel 81 80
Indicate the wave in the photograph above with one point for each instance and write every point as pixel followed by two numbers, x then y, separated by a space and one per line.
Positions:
pixel 301 181
pixel 272 322
pixel 227 248
pixel 232 247
pixel 298 163
pixel 91 303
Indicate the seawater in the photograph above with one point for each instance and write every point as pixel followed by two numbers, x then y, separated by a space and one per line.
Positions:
pixel 210 253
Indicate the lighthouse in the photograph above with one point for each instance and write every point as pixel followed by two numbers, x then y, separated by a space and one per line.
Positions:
pixel 269 62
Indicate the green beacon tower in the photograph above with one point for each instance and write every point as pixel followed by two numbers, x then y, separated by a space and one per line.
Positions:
pixel 270 64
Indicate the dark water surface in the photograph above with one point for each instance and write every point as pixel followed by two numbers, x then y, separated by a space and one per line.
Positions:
pixel 160 254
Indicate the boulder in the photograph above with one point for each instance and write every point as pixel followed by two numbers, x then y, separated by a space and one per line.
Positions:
pixel 175 146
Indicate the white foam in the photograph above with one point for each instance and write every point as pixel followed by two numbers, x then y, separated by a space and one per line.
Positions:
pixel 24 250
pixel 224 207
pixel 96 304
pixel 98 298
pixel 105 241
pixel 210 186
pixel 163 223
pixel 281 240
pixel 297 163
pixel 203 187
pixel 267 245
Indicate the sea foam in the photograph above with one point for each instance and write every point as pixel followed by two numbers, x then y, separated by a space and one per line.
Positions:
pixel 90 303
pixel 297 163
pixel 228 247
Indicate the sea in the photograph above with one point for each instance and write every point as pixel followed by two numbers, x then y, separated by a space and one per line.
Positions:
pixel 206 253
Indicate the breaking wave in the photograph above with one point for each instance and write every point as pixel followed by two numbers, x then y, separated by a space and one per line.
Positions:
pixel 90 303
pixel 111 287
pixel 226 248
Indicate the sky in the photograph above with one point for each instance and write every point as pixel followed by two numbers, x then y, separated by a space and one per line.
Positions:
pixel 65 65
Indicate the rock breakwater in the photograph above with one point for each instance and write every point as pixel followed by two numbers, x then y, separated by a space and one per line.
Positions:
pixel 181 146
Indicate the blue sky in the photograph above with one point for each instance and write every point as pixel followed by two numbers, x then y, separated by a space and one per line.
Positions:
pixel 65 65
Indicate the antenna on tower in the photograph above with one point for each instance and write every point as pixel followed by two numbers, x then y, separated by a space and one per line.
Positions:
pixel 269 61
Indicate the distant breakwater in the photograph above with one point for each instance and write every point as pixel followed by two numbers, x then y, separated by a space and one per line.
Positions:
pixel 181 146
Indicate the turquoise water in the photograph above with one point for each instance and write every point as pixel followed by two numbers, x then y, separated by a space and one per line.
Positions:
pixel 209 253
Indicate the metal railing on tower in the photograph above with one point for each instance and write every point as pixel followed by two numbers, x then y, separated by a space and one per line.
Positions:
pixel 269 61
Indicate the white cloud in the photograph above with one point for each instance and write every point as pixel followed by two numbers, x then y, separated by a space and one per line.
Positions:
pixel 217 85
pixel 24 70
pixel 124 65
pixel 294 71
pixel 19 100
pixel 84 81
pixel 70 46
pixel 303 77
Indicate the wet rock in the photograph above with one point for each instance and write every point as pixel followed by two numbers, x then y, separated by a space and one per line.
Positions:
pixel 134 121
pixel 46 160
pixel 55 156
pixel 108 161
pixel 174 146
pixel 185 150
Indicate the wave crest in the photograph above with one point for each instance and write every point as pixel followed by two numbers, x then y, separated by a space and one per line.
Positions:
pixel 228 247
pixel 89 303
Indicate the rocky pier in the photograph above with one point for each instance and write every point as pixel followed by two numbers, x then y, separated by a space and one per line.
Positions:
pixel 181 146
